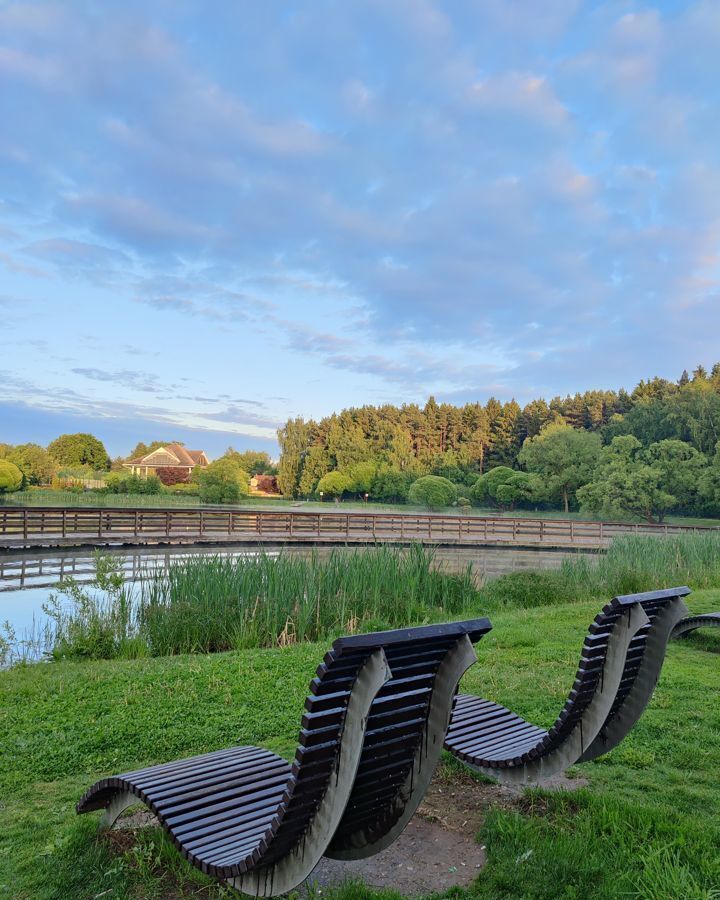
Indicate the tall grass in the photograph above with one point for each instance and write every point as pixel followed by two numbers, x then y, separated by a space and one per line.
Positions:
pixel 631 564
pixel 207 604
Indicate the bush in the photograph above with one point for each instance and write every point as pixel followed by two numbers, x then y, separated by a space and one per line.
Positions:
pixel 433 492
pixel 67 483
pixel 11 478
pixel 118 483
pixel 223 482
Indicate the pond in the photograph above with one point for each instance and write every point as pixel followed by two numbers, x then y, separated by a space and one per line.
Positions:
pixel 28 578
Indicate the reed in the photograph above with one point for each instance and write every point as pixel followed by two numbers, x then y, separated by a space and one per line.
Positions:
pixel 631 564
pixel 208 604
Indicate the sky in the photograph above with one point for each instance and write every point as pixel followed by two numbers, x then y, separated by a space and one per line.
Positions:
pixel 216 216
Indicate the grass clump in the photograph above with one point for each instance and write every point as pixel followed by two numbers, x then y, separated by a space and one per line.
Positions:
pixel 633 563
pixel 209 604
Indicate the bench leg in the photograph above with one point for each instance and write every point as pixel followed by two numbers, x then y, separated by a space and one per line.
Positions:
pixel 118 805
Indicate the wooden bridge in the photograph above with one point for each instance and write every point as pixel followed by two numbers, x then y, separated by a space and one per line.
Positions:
pixel 35 527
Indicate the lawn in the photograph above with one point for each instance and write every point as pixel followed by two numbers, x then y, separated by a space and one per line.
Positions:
pixel 647 825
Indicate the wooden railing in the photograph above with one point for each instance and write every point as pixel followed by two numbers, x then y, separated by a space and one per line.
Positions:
pixel 49 526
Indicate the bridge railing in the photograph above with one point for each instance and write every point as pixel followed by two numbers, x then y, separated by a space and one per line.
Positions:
pixel 27 526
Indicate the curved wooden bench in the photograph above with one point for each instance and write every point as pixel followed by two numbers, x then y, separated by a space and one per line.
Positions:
pixel 619 667
pixel 691 623
pixel 370 739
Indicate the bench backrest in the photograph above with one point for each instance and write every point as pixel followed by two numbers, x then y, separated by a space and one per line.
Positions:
pixel 395 723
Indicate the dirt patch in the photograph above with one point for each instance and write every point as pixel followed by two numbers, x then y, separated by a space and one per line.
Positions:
pixel 437 850
pixel 426 857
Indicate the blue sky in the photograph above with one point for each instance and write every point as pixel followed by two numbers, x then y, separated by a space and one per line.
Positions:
pixel 214 216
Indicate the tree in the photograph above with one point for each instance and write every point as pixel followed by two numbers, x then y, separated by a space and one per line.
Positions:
pixel 11 478
pixel 223 481
pixel 362 476
pixel 254 462
pixel 170 475
pixel 34 462
pixel 293 438
pixel 433 492
pixel 623 484
pixel 79 450
pixel 391 485
pixel 334 484
pixel 681 467
pixel 314 464
pixel 563 456
pixel 506 487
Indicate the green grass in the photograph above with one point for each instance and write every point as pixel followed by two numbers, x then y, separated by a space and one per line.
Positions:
pixel 646 826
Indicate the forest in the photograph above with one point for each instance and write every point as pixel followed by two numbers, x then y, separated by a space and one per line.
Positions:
pixel 639 453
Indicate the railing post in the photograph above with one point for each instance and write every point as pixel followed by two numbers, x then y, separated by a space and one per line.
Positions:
pixel 602 535
pixel 167 523
pixel 63 522
pixel 202 522
pixel 347 526
pixel 572 531
pixel 291 517
pixel 258 524
pixel 99 523
pixel 25 524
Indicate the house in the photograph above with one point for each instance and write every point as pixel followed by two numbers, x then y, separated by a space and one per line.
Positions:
pixel 172 456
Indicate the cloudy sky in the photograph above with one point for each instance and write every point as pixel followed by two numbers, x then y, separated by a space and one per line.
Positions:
pixel 214 216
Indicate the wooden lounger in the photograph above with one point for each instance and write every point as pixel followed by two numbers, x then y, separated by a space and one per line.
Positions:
pixel 370 740
pixel 619 667
pixel 691 623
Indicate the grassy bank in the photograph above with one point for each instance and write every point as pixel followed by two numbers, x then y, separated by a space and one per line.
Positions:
pixel 208 604
pixel 646 826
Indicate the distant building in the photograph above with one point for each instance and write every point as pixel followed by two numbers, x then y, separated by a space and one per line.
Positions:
pixel 171 456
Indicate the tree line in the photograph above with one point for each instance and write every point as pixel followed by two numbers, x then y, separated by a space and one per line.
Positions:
pixel 614 453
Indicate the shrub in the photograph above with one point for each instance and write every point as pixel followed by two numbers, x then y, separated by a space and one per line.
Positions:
pixel 118 483
pixel 11 478
pixel 67 483
pixel 223 482
pixel 432 491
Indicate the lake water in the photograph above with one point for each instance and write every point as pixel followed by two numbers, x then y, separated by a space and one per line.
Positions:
pixel 28 578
